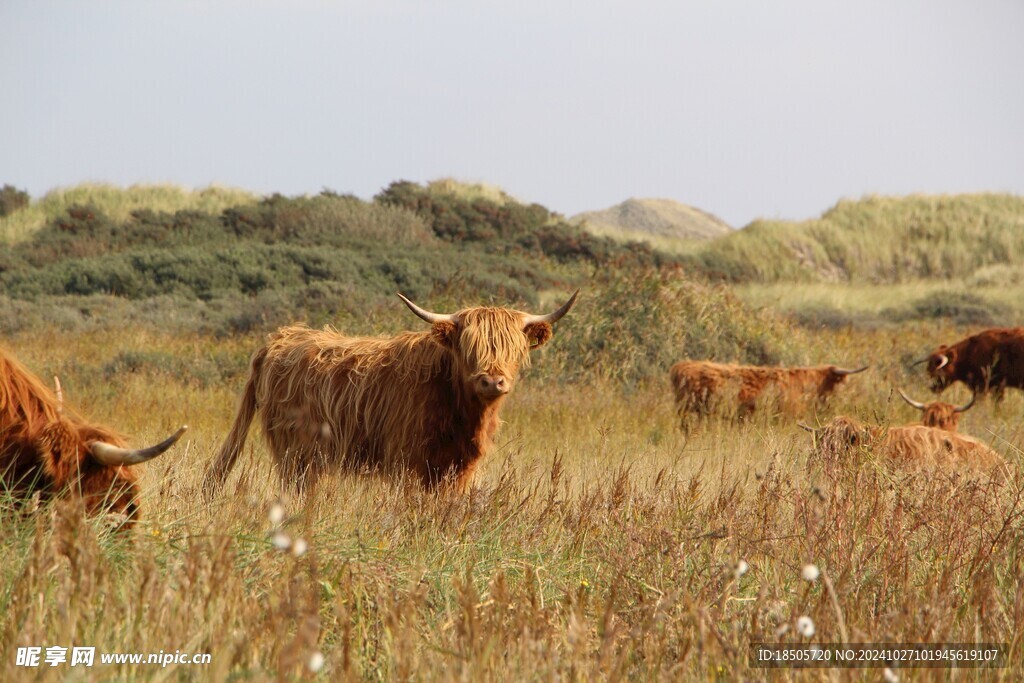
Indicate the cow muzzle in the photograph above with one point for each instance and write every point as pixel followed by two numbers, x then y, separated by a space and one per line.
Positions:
pixel 492 386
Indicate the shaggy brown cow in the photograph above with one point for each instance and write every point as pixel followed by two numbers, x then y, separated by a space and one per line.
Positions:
pixel 938 414
pixel 422 402
pixel 699 384
pixel 993 359
pixel 910 445
pixel 47 448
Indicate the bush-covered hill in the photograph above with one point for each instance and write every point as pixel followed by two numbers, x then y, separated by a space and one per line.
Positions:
pixel 114 202
pixel 876 239
pixel 334 258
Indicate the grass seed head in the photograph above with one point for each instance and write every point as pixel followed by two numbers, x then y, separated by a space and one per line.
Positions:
pixel 805 626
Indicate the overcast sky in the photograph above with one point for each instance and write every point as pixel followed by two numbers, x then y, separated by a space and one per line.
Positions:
pixel 744 109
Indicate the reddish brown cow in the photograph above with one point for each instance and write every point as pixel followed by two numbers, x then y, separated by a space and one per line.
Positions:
pixel 699 385
pixel 47 448
pixel 989 360
pixel 422 402
pixel 907 446
pixel 938 414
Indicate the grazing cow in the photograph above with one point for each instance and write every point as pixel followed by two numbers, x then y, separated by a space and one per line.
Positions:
pixel 699 384
pixel 938 414
pixel 909 446
pixel 47 448
pixel 993 359
pixel 425 402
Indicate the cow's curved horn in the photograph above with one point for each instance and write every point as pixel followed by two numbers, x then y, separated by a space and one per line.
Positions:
pixel 845 371
pixel 916 404
pixel 918 362
pixel 966 406
pixel 112 456
pixel 552 317
pixel 942 363
pixel 427 315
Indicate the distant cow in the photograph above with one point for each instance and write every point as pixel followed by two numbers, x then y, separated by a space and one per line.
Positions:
pixel 47 448
pixel 938 414
pixel 911 445
pixel 993 359
pixel 699 385
pixel 422 402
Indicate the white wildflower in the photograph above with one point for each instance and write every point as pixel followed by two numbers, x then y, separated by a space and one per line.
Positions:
pixel 891 676
pixel 281 540
pixel 276 514
pixel 315 661
pixel 805 626
pixel 810 572
pixel 742 568
pixel 299 547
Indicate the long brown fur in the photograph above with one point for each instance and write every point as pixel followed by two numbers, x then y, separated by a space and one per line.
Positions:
pixel 910 445
pixel 405 403
pixel 990 360
pixel 700 386
pixel 44 447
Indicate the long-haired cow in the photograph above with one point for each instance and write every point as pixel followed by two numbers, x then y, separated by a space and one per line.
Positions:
pixel 47 448
pixel 421 402
pixel 906 446
pixel 701 385
pixel 990 360
pixel 938 414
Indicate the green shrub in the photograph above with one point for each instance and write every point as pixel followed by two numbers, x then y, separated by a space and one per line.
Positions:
pixel 12 199
pixel 633 326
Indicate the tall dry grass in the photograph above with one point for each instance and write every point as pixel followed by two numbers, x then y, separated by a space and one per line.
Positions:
pixel 600 543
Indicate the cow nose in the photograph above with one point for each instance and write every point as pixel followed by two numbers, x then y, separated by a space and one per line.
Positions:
pixel 492 385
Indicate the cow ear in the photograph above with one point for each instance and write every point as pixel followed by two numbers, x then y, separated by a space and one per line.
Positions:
pixel 444 333
pixel 538 334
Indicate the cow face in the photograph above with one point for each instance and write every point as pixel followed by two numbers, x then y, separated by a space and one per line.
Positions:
pixel 111 491
pixel 941 364
pixel 941 416
pixel 833 377
pixel 80 460
pixel 489 346
pixel 66 451
pixel 937 414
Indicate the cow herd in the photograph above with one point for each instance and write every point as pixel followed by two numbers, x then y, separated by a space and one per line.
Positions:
pixel 987 362
pixel 426 404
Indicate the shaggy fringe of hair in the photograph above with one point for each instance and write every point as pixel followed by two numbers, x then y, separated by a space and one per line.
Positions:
pixel 941 416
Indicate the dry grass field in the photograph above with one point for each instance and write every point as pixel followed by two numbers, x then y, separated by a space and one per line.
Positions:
pixel 598 544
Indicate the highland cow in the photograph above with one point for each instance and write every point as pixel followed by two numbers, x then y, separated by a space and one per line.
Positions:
pixel 425 403
pixel 907 446
pixel 47 448
pixel 990 360
pixel 700 386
